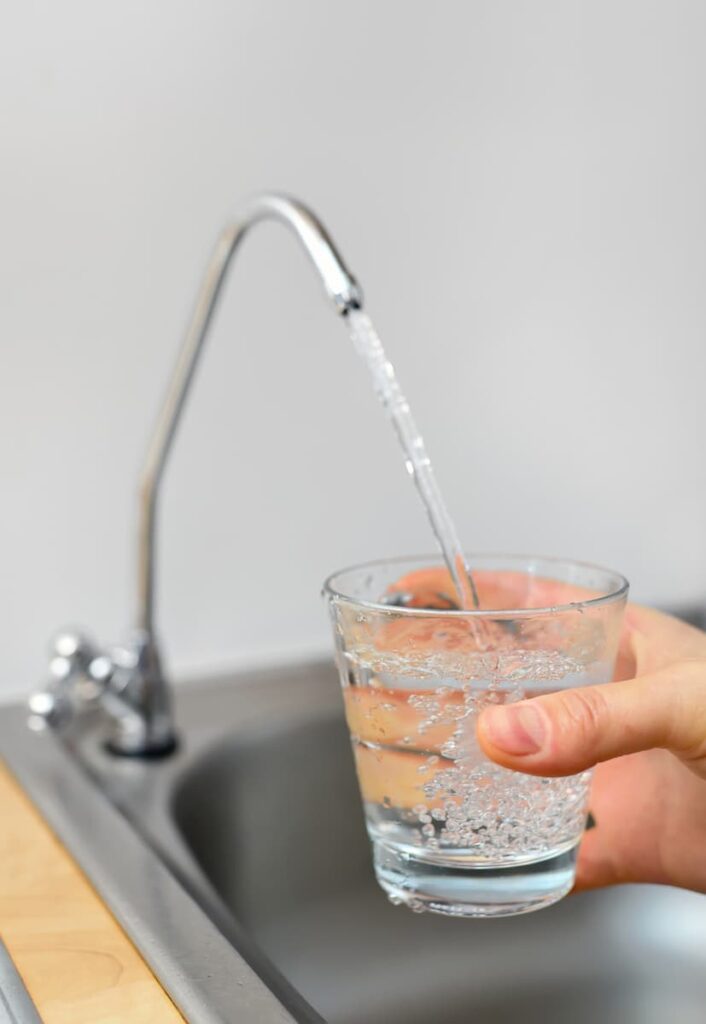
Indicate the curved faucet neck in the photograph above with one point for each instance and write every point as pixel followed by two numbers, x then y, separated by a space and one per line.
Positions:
pixel 345 294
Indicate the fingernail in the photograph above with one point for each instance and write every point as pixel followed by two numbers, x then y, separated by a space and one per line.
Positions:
pixel 518 729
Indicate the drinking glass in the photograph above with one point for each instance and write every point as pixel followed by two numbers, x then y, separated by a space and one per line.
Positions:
pixel 451 831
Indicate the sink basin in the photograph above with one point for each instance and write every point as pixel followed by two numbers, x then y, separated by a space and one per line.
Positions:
pixel 258 818
pixel 276 826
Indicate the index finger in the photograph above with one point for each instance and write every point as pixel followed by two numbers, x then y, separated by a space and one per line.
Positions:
pixel 651 640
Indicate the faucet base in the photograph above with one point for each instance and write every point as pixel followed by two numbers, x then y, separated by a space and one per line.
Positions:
pixel 138 700
pixel 145 752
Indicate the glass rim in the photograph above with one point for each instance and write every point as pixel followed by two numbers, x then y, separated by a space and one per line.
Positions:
pixel 612 596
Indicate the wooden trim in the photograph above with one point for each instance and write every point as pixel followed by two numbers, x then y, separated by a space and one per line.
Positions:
pixel 77 963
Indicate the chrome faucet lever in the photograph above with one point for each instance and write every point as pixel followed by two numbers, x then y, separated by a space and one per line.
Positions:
pixel 131 686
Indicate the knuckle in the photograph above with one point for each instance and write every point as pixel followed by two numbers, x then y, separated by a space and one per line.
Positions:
pixel 686 725
pixel 584 713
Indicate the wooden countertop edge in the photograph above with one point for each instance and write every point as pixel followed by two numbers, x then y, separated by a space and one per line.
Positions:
pixel 77 963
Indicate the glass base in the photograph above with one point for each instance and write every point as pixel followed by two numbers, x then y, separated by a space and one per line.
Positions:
pixel 499 890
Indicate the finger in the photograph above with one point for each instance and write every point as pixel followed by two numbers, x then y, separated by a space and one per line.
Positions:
pixel 595 867
pixel 652 640
pixel 569 731
pixel 628 842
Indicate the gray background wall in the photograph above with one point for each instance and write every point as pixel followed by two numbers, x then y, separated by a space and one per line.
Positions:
pixel 520 189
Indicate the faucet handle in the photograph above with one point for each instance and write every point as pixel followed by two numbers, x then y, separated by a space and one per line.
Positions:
pixel 125 681
pixel 78 674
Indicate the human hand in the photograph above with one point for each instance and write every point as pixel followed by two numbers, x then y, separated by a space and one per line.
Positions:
pixel 647 734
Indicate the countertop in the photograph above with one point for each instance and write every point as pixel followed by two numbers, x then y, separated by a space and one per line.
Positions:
pixel 76 962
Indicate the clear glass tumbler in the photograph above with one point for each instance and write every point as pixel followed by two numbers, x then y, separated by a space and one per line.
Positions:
pixel 451 831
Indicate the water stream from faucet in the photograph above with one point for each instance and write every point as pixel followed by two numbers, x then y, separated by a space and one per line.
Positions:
pixel 368 345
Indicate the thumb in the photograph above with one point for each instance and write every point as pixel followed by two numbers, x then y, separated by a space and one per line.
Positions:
pixel 567 732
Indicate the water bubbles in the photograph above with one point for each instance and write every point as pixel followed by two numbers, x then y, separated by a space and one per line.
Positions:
pixel 498 813
pixel 454 668
pixel 469 803
pixel 423 703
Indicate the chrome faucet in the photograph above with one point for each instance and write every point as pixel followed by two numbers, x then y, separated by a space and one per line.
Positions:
pixel 127 682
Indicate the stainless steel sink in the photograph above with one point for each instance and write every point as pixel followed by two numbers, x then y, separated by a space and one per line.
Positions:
pixel 258 817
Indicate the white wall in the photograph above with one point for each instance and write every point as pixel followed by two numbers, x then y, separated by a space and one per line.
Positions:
pixel 520 189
